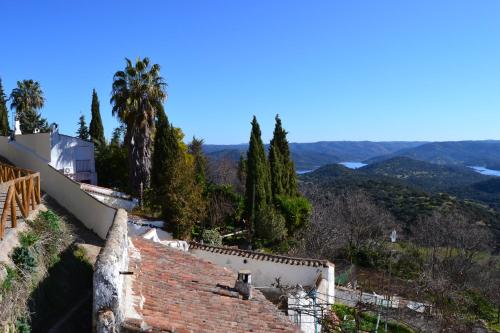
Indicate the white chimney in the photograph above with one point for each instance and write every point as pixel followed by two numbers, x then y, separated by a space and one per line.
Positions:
pixel 244 284
pixel 17 127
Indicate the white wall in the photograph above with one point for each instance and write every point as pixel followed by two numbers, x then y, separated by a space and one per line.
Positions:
pixel 66 150
pixel 94 214
pixel 264 272
pixel 38 143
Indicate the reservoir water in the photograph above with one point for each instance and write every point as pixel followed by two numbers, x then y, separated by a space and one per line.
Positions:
pixel 485 171
pixel 353 165
pixel 350 165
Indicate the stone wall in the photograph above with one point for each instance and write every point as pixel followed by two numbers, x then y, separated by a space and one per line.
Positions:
pixel 109 277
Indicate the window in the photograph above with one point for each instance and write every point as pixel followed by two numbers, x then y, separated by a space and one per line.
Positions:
pixel 82 165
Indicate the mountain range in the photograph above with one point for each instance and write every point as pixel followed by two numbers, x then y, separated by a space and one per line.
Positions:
pixel 309 156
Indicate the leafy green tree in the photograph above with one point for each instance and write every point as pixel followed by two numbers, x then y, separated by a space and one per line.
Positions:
pixel 4 113
pixel 242 171
pixel 111 162
pixel 174 184
pixel 296 211
pixel 295 208
pixel 82 131
pixel 195 148
pixel 258 194
pixel 96 129
pixel 164 155
pixel 270 226
pixel 27 98
pixel 138 94
pixel 283 177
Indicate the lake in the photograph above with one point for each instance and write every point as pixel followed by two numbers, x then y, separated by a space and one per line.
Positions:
pixel 353 165
pixel 350 165
pixel 486 171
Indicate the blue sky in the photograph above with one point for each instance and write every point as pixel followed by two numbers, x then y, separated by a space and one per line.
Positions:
pixel 334 70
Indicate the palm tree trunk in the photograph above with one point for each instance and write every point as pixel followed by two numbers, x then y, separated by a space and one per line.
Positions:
pixel 140 149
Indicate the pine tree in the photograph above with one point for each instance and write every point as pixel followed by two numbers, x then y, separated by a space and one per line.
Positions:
pixel 96 130
pixel 283 177
pixel 83 130
pixel 4 115
pixel 258 185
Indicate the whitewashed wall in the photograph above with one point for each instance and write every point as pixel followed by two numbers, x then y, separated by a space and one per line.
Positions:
pixel 66 150
pixel 94 214
pixel 38 143
pixel 265 273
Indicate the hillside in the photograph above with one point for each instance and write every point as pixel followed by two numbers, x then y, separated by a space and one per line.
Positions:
pixel 427 176
pixel 406 201
pixel 466 153
pixel 313 155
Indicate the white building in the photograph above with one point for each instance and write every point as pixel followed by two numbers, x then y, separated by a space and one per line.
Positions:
pixel 69 155
pixel 308 283
pixel 73 156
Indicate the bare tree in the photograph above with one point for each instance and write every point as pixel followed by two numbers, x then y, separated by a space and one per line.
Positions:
pixel 450 245
pixel 345 224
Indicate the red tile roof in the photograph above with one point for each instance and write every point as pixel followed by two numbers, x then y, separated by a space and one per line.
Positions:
pixel 260 255
pixel 185 294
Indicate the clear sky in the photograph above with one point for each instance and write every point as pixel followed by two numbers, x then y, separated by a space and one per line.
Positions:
pixel 334 70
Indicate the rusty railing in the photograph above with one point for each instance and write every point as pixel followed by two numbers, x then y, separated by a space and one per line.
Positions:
pixel 23 192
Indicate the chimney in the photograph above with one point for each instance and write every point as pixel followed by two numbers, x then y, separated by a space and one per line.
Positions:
pixel 244 284
pixel 17 127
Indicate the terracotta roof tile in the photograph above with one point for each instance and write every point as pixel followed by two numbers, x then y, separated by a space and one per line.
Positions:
pixel 185 294
pixel 260 255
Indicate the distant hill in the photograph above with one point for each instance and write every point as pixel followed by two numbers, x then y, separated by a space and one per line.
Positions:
pixel 425 175
pixel 468 153
pixel 411 189
pixel 313 155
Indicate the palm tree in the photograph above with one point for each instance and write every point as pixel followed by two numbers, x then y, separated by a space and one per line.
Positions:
pixel 27 98
pixel 138 94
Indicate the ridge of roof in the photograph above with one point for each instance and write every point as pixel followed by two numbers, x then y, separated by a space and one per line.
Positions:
pixel 180 292
pixel 260 255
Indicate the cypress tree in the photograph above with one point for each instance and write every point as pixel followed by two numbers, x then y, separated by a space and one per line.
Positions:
pixel 295 208
pixel 4 115
pixel 200 161
pixel 176 191
pixel 163 155
pixel 83 130
pixel 283 177
pixel 96 130
pixel 258 194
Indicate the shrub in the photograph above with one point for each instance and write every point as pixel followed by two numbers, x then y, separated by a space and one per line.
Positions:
pixel 211 237
pixel 9 280
pixel 27 239
pixel 51 219
pixel 23 259
pixel 22 326
pixel 296 211
pixel 270 226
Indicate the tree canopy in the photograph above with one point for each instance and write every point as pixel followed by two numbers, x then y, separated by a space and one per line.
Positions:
pixel 83 131
pixel 96 129
pixel 4 113
pixel 27 98
pixel 138 94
